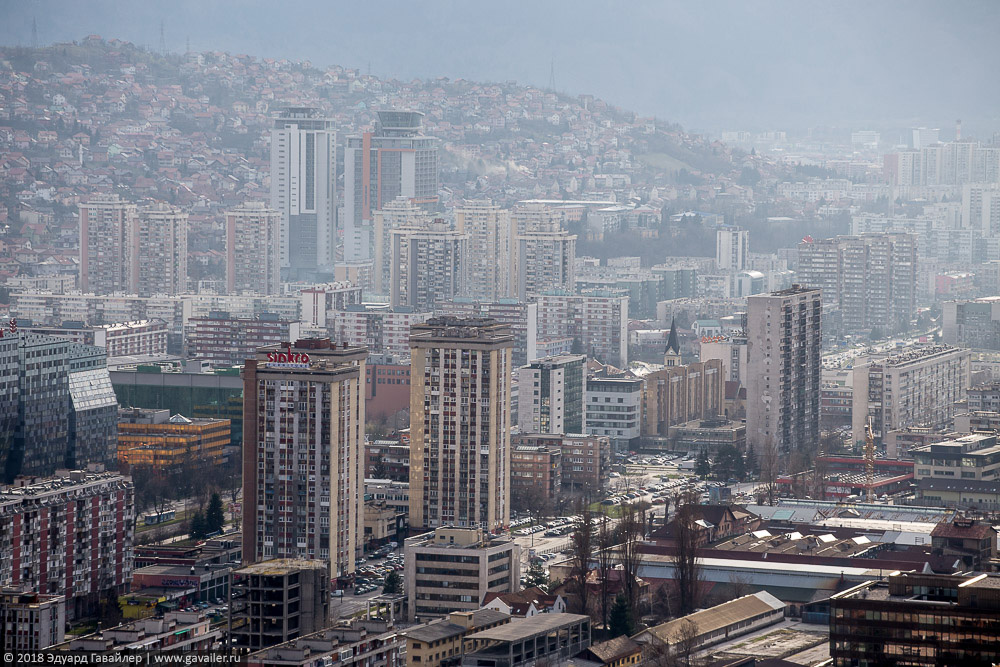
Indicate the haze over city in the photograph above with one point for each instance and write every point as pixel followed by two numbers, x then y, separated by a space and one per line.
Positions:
pixel 542 334
pixel 761 65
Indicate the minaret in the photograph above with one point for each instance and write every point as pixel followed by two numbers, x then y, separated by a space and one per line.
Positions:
pixel 672 355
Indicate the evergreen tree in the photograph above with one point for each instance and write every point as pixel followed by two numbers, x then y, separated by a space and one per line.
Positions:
pixel 197 529
pixel 536 576
pixel 620 621
pixel 702 468
pixel 215 519
pixel 393 583
pixel 750 463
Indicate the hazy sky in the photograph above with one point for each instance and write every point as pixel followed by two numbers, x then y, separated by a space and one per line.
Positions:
pixel 750 64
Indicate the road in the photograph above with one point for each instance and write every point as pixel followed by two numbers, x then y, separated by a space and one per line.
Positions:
pixel 351 604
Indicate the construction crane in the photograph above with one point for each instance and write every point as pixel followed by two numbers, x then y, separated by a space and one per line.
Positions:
pixel 869 462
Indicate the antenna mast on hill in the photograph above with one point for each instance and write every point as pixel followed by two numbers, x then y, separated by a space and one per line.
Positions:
pixel 163 40
pixel 552 75
pixel 34 33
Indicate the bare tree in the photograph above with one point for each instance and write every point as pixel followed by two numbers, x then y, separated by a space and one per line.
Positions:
pixel 631 528
pixel 605 560
pixel 687 641
pixel 686 568
pixel 582 544
pixel 769 464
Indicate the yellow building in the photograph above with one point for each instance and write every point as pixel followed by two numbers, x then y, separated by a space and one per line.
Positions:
pixel 154 438
pixel 438 642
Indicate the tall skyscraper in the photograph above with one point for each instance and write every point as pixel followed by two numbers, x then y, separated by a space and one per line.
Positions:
pixel 253 240
pixel 428 265
pixel 396 214
pixel 303 453
pixel 489 230
pixel 550 395
pixel 732 249
pixel 396 160
pixel 872 278
pixel 303 190
pixel 66 413
pixel 162 253
pixel 784 336
pixel 460 423
pixel 545 259
pixel 107 245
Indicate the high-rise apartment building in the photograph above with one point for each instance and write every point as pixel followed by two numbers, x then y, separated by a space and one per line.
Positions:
pixel 732 249
pixel 981 208
pixel 396 214
pixel 550 395
pixel 521 317
pixel 872 278
pixel 107 245
pixel 917 387
pixel 303 453
pixel 303 190
pixel 596 321
pixel 225 341
pixel 253 244
pixel 784 338
pixel 532 216
pixel 428 265
pixel 70 536
pixel 460 423
pixel 380 328
pixel 65 411
pixel 489 230
pixel 545 261
pixel 396 160
pixel 162 251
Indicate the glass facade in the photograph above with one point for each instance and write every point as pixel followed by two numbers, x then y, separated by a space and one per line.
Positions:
pixel 196 395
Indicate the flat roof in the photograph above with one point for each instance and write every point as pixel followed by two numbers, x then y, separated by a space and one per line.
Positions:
pixel 529 627
pixel 434 631
pixel 719 616
pixel 281 566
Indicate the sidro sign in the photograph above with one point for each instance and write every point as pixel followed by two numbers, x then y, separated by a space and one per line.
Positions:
pixel 288 359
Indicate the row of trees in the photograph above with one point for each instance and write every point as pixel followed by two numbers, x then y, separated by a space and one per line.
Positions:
pixel 604 580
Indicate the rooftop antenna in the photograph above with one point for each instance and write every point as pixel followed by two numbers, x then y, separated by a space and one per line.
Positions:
pixel 552 75
pixel 34 33
pixel 163 40
pixel 958 130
